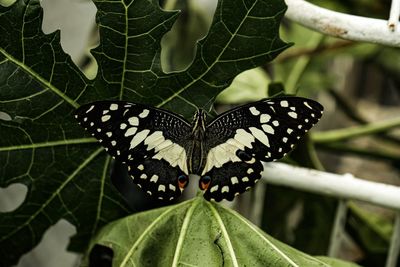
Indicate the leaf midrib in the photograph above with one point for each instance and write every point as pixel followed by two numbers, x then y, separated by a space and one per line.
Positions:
pixel 146 232
pixel 264 238
pixel 39 78
pixel 224 234
pixel 182 234
pixel 50 144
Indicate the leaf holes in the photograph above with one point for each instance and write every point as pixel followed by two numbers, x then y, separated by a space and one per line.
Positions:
pixel 178 46
pixel 78 29
pixel 5 116
pixel 12 197
pixel 52 249
pixel 6 3
pixel 101 256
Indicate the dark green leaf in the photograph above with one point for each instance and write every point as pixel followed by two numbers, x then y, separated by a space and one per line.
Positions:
pixel 67 174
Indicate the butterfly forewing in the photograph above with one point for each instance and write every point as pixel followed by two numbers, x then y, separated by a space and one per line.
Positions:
pixel 150 141
pixel 261 131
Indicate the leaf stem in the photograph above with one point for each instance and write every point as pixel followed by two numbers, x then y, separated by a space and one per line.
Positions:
pixel 355 131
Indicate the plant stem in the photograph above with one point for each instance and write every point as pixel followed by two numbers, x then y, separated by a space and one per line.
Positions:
pixel 367 152
pixel 355 131
pixel 301 64
pixel 312 51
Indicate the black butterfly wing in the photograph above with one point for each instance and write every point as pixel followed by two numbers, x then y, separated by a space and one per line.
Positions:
pixel 150 141
pixel 242 137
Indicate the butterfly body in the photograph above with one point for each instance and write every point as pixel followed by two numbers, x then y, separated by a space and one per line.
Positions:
pixel 161 148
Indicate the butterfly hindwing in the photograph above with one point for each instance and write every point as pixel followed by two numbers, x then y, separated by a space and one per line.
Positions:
pixel 150 141
pixel 232 179
pixel 157 178
pixel 261 131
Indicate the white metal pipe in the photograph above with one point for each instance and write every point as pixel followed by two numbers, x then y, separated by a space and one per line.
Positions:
pixel 394 15
pixel 339 186
pixel 350 27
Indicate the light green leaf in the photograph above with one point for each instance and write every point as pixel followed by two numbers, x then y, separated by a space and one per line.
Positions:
pixel 197 233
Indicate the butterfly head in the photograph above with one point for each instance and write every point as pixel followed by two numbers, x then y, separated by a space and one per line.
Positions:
pixel 199 124
pixel 199 119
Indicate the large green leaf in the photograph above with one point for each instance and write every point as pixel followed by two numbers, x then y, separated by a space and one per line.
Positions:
pixel 66 172
pixel 197 233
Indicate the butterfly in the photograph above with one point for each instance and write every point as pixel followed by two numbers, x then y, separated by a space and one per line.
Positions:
pixel 161 148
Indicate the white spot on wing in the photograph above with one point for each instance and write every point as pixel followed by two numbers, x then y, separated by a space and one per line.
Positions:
pixel 113 106
pixel 105 118
pixel 140 167
pixel 154 140
pixel 245 179
pixel 293 114
pixel 123 126
pixel 113 143
pixel 138 138
pixel 254 111
pixel 250 170
pixel 264 118
pixel 268 129
pixel 172 187
pixel 143 176
pixel 130 131
pixel 214 188
pixel 244 137
pixel 225 189
pixel 161 187
pixel 90 109
pixel 154 178
pixel 234 180
pixel 275 123
pixel 134 121
pixel 289 131
pixel 307 105
pixel 144 113
pixel 260 135
pixel 284 103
